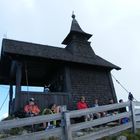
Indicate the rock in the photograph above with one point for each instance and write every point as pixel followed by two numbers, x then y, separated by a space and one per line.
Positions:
pixel 78 134
pixel 122 138
pixel 24 132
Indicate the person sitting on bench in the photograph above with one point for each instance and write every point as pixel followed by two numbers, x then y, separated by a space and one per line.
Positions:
pixel 83 105
pixel 31 109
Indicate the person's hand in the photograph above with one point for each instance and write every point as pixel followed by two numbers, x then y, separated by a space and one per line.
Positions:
pixel 35 114
pixel 115 113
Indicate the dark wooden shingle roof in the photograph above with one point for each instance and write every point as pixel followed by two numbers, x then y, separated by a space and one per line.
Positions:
pixel 49 52
pixel 75 29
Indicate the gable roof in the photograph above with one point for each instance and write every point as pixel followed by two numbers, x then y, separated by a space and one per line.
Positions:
pixel 13 47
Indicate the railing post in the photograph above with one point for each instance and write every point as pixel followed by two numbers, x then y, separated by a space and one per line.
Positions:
pixel 132 109
pixel 67 126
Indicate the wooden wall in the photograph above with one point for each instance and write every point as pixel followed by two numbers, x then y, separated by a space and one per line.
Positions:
pixel 91 83
pixel 43 99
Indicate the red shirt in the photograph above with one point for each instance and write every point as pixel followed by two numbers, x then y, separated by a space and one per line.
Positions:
pixel 32 109
pixel 82 105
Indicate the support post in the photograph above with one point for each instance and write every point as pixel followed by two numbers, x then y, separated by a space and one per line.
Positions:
pixel 63 109
pixel 67 126
pixel 11 99
pixel 18 85
pixel 12 76
pixel 132 109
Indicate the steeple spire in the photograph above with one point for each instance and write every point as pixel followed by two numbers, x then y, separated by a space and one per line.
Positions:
pixel 75 30
pixel 73 15
pixel 74 25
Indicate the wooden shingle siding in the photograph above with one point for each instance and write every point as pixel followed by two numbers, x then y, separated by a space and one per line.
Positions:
pixel 91 83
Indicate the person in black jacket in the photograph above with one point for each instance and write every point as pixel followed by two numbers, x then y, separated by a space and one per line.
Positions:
pixel 113 111
pixel 130 96
pixel 123 109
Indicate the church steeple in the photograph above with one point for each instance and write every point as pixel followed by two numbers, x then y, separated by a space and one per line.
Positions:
pixel 75 30
pixel 74 25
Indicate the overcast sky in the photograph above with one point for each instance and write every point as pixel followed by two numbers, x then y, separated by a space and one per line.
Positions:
pixel 115 25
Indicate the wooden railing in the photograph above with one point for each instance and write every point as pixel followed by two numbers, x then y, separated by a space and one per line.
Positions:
pixel 30 121
pixel 65 132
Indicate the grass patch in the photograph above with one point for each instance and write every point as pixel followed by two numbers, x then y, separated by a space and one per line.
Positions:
pixel 127 133
pixel 51 138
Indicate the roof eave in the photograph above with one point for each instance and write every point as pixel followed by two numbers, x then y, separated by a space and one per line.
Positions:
pixel 70 35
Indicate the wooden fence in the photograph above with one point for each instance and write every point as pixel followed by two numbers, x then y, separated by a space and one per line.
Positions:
pixel 65 132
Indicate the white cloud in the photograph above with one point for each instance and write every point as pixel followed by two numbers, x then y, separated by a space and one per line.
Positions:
pixel 29 3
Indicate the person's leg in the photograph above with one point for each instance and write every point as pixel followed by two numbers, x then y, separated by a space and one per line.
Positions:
pixel 44 125
pixel 87 117
pixel 103 114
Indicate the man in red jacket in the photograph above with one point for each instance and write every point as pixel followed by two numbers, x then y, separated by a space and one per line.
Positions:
pixel 83 105
pixel 31 109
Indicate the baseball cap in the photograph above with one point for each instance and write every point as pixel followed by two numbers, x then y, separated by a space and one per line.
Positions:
pixel 32 99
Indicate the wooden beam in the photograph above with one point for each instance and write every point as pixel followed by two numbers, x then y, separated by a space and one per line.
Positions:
pixel 138 125
pixel 18 85
pixel 137 112
pixel 100 121
pixel 13 69
pixel 56 132
pixel 105 132
pixel 10 99
pixel 12 75
pixel 78 113
pixel 68 132
pixel 132 109
pixel 136 103
pixel 29 121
